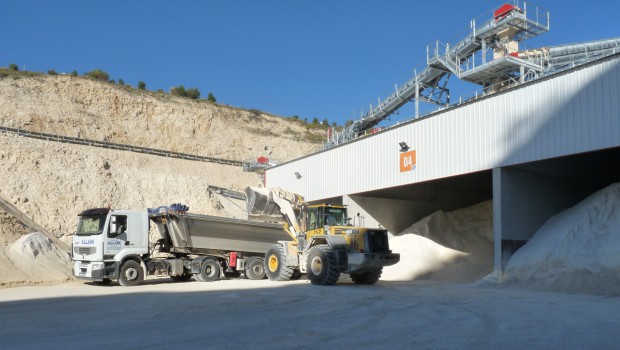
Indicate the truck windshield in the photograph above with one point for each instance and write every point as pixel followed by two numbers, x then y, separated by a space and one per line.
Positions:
pixel 91 225
pixel 335 216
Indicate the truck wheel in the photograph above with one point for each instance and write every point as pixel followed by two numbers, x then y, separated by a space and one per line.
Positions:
pixel 321 266
pixel 131 274
pixel 275 266
pixel 368 277
pixel 255 270
pixel 209 270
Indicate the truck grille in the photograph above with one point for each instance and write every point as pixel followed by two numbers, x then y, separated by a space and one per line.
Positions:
pixel 83 250
pixel 377 242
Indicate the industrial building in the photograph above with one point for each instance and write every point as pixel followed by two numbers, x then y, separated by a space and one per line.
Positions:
pixel 534 147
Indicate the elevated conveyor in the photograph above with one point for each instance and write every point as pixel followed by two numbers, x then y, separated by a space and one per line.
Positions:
pixel 489 56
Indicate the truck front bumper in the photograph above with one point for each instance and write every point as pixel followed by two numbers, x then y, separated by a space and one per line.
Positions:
pixel 370 261
pixel 94 271
pixel 88 270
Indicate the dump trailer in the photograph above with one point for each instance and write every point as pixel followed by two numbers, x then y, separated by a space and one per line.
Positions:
pixel 322 243
pixel 114 244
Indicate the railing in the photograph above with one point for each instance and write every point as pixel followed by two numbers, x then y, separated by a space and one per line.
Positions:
pixel 118 146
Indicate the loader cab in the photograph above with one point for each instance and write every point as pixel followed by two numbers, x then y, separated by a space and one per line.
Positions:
pixel 316 217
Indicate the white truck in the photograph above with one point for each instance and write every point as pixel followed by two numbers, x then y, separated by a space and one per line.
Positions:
pixel 114 245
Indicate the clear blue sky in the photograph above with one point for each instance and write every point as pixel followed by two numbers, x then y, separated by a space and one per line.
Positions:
pixel 327 59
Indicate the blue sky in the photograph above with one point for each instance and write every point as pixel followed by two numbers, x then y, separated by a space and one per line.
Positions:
pixel 321 58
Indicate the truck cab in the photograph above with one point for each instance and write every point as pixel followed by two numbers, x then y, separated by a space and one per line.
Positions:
pixel 105 239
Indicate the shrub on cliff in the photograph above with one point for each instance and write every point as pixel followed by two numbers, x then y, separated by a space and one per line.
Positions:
pixel 98 74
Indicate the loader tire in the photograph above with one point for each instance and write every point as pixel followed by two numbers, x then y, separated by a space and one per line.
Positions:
pixel 209 271
pixel 255 270
pixel 131 274
pixel 275 264
pixel 368 277
pixel 321 266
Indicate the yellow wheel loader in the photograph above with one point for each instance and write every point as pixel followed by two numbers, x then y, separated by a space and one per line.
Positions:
pixel 323 244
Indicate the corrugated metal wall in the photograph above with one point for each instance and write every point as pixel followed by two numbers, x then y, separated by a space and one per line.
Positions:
pixel 573 112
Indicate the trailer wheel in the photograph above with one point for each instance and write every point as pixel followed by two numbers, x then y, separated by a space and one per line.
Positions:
pixel 368 277
pixel 275 267
pixel 321 266
pixel 131 274
pixel 209 270
pixel 255 270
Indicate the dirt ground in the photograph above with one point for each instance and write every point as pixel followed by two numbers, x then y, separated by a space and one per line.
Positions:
pixel 283 315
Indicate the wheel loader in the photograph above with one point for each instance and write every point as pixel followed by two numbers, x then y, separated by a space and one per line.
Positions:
pixel 323 243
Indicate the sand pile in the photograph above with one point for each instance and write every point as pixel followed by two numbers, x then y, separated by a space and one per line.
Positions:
pixel 455 246
pixel 29 257
pixel 575 251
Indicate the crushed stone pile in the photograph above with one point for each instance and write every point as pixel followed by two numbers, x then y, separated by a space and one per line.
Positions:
pixel 575 251
pixel 445 246
pixel 30 257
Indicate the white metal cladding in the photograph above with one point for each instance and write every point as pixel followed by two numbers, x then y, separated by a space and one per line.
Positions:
pixel 572 112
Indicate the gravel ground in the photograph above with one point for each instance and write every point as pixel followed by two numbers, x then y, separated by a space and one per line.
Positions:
pixel 263 314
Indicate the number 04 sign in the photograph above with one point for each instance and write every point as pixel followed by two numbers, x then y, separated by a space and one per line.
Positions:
pixel 407 161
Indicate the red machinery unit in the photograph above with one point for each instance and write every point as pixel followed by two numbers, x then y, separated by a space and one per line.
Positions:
pixel 502 11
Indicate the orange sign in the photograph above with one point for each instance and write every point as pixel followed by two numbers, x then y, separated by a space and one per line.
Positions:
pixel 407 161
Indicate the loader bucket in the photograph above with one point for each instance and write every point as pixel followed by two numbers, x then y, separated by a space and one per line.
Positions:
pixel 261 206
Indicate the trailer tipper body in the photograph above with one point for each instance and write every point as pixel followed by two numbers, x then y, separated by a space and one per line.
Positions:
pixel 114 245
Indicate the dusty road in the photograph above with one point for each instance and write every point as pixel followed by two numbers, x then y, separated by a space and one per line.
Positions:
pixel 262 314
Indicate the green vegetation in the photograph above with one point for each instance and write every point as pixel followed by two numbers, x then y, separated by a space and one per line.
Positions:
pixel 141 85
pixel 192 93
pixel 13 67
pixel 211 98
pixel 98 74
pixel 121 82
pixel 51 72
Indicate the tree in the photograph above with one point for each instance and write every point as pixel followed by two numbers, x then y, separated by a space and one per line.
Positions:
pixel 325 122
pixel 178 91
pixel 211 98
pixel 315 121
pixel 193 93
pixel 121 82
pixel 141 85
pixel 51 72
pixel 13 66
pixel 98 74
